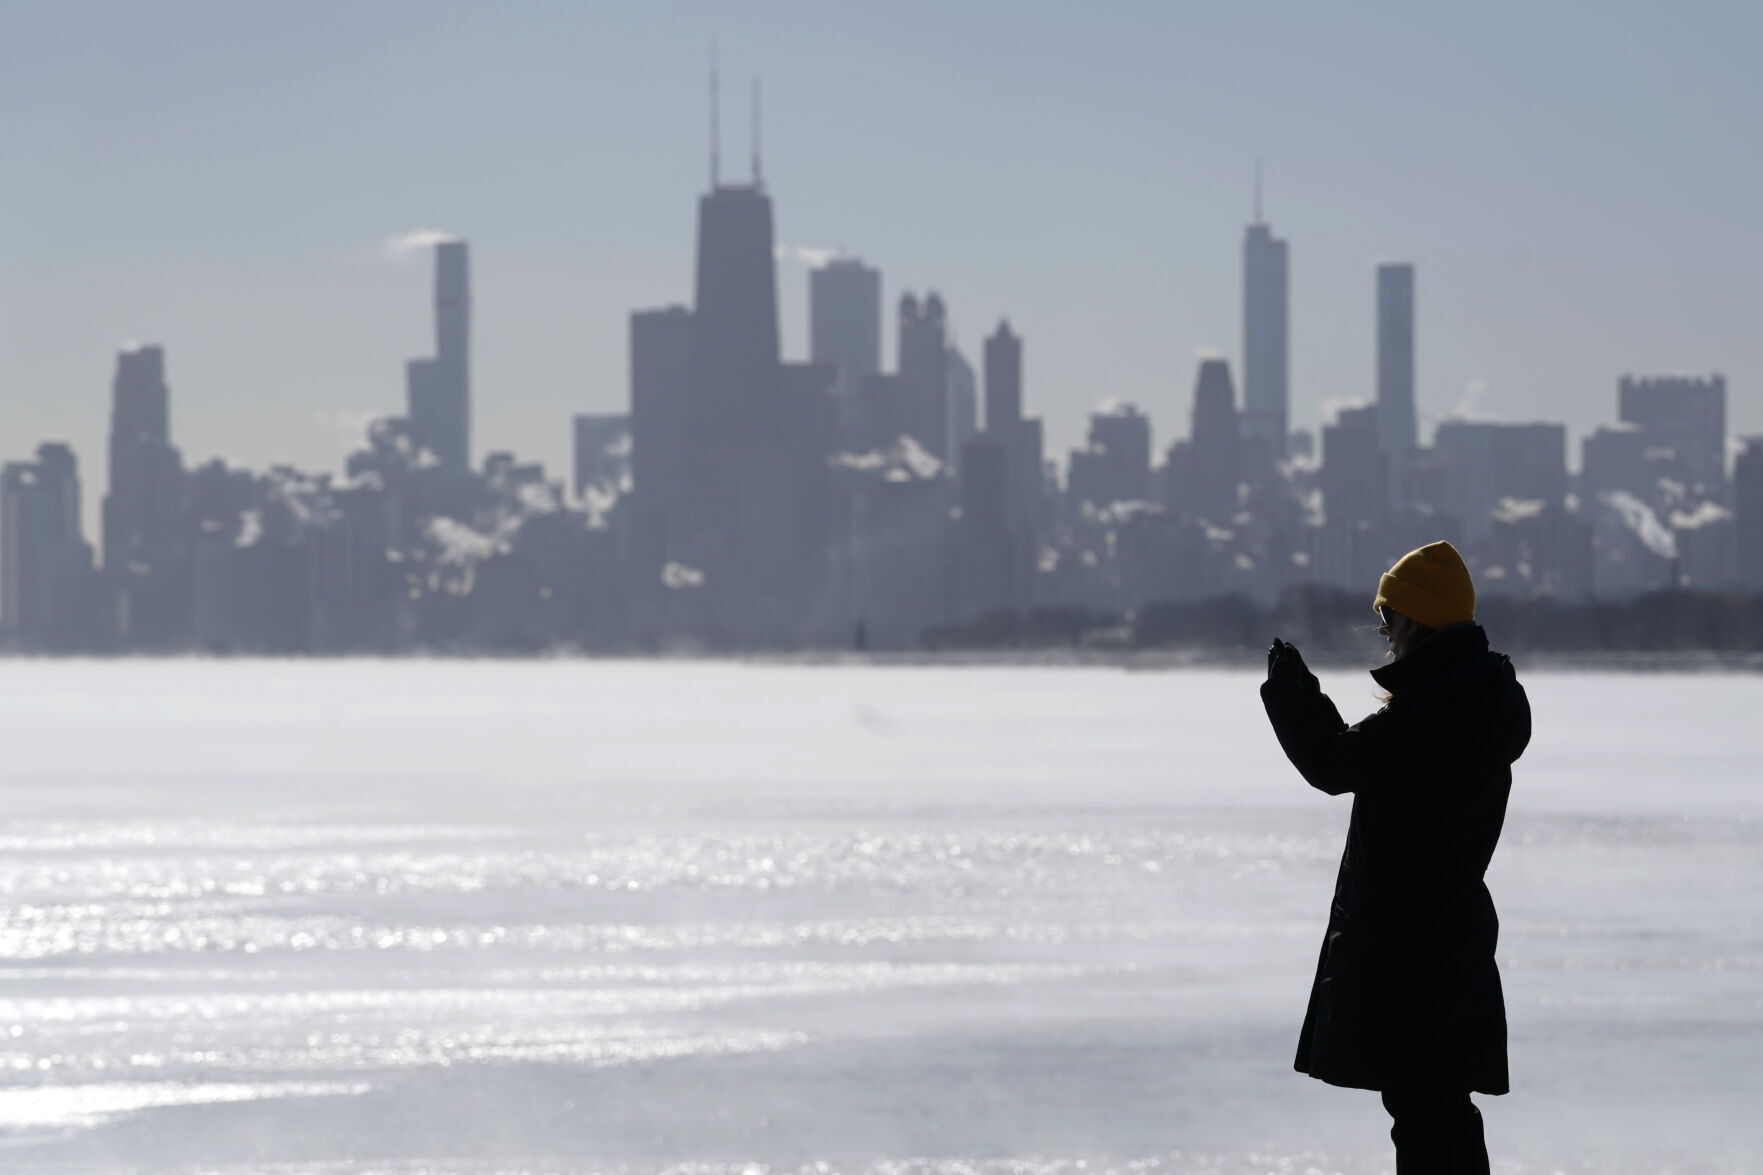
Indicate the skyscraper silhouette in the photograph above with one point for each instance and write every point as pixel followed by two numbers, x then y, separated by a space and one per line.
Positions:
pixel 661 351
pixel 924 379
pixel 1685 414
pixel 1021 436
pixel 844 332
pixel 740 474
pixel 844 317
pixel 146 554
pixel 453 355
pixel 45 563
pixel 1396 428
pixel 1213 460
pixel 439 389
pixel 1266 335
pixel 1003 378
pixel 140 511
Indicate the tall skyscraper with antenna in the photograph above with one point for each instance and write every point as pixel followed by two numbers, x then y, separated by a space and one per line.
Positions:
pixel 1266 335
pixel 734 426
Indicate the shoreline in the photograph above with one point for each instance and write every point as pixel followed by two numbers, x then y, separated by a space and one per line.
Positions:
pixel 1130 660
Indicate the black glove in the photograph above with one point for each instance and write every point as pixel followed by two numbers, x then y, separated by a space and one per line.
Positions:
pixel 1284 661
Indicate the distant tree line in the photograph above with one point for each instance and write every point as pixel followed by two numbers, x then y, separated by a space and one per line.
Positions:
pixel 1331 621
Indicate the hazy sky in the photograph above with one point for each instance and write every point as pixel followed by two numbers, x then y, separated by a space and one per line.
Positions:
pixel 1578 185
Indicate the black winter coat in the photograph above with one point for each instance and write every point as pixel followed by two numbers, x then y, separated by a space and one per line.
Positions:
pixel 1407 994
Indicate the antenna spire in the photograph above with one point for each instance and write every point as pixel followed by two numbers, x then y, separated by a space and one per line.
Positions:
pixel 758 178
pixel 715 119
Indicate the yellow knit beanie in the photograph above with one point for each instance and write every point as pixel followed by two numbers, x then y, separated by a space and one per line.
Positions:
pixel 1430 585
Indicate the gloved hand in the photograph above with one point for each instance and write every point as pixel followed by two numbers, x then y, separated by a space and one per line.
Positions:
pixel 1284 661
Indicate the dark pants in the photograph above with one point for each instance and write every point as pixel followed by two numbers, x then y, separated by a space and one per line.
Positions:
pixel 1436 1133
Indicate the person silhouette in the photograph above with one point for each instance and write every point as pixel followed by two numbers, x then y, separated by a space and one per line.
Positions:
pixel 1407 998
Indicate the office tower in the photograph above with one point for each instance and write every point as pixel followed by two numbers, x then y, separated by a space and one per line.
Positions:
pixel 1213 459
pixel 661 350
pixel 453 352
pixel 1004 421
pixel 1354 472
pixel 1003 360
pixel 1115 464
pixel 45 563
pixel 1397 430
pixel 1482 463
pixel 734 359
pixel 1747 494
pixel 1686 416
pixel 844 319
pixel 1616 457
pixel 961 396
pixel 922 366
pixel 602 458
pixel 146 552
pixel 143 507
pixel 438 389
pixel 988 561
pixel 1266 336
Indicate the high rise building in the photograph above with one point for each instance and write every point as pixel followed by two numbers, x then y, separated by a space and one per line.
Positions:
pixel 1747 494
pixel 1115 465
pixel 1483 463
pixel 146 552
pixel 144 503
pixel 1212 461
pixel 1003 361
pixel 661 349
pixel 1354 474
pixel 989 568
pixel 1398 432
pixel 734 357
pixel 453 351
pixel 1266 336
pixel 1685 415
pixel 438 389
pixel 1022 437
pixel 844 318
pixel 923 370
pixel 1618 458
pixel 45 563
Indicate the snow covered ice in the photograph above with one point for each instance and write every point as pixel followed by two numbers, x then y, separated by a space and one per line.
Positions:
pixel 765 920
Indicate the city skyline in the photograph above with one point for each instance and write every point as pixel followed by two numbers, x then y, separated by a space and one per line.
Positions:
pixel 1115 305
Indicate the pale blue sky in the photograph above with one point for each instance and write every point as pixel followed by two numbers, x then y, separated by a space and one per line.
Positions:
pixel 1577 184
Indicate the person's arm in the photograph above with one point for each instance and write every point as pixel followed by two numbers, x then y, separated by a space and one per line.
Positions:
pixel 1331 756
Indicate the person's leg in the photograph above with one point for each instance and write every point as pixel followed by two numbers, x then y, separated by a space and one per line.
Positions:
pixel 1436 1133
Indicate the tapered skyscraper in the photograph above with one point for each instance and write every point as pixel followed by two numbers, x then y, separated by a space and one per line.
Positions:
pixel 1266 364
pixel 735 363
pixel 741 507
pixel 1396 428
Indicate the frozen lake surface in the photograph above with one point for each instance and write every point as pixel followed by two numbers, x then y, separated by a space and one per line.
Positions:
pixel 727 920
